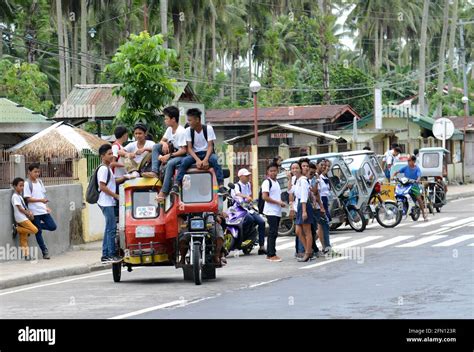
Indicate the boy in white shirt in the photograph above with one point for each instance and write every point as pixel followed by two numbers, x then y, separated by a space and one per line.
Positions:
pixel 272 209
pixel 121 137
pixel 107 203
pixel 23 216
pixel 200 147
pixel 35 195
pixel 138 149
pixel 170 151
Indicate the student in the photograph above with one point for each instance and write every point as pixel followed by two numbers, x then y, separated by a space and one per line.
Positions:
pixel 35 195
pixel 392 159
pixel 243 192
pixel 138 149
pixel 170 151
pixel 317 204
pixel 304 213
pixel 272 209
pixel 200 147
pixel 23 217
pixel 107 203
pixel 121 137
pixel 386 158
pixel 324 187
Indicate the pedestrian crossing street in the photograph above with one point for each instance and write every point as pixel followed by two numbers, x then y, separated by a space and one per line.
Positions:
pixel 434 233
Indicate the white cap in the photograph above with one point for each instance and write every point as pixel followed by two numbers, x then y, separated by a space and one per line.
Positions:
pixel 243 172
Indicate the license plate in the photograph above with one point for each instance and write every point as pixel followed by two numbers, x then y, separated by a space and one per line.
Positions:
pixel 144 231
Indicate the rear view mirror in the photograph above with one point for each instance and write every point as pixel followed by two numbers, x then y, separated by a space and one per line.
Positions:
pixel 231 185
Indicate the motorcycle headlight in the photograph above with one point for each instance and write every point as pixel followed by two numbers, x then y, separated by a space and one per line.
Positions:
pixel 196 224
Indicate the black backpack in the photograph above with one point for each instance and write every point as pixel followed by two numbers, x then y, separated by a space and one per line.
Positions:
pixel 261 202
pixel 204 130
pixel 92 193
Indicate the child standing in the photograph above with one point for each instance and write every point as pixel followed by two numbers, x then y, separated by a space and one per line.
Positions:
pixel 23 217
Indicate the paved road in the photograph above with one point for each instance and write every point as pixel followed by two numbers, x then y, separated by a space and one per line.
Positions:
pixel 417 270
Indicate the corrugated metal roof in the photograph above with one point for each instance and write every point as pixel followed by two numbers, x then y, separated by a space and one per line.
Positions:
pixel 279 114
pixel 88 101
pixel 11 112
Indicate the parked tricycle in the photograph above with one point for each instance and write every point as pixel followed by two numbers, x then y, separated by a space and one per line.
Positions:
pixel 180 232
pixel 370 177
pixel 433 163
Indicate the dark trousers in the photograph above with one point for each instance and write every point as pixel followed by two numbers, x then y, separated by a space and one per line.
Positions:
pixel 43 222
pixel 273 223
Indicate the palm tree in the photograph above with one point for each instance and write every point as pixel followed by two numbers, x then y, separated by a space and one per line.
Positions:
pixel 62 67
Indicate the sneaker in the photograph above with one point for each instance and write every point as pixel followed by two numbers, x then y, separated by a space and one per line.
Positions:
pixel 175 190
pixel 327 250
pixel 116 259
pixel 274 259
pixel 299 255
pixel 14 231
pixel 46 255
pixel 262 251
pixel 104 260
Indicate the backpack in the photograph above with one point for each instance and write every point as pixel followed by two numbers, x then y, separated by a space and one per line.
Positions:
pixel 261 202
pixel 204 130
pixel 118 156
pixel 92 193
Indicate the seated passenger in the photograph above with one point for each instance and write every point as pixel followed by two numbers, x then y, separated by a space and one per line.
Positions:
pixel 200 146
pixel 170 151
pixel 243 192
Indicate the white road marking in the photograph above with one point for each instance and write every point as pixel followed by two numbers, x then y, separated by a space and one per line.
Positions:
pixel 421 241
pixel 285 246
pixel 444 230
pixel 389 242
pixel 336 239
pixel 284 239
pixel 58 282
pixel 459 222
pixel 454 241
pixel 263 283
pixel 403 224
pixel 372 225
pixel 434 222
pixel 357 242
pixel 150 309
pixel 323 263
pixel 460 199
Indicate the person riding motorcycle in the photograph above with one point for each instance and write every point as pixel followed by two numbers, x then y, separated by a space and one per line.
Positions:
pixel 413 172
pixel 243 192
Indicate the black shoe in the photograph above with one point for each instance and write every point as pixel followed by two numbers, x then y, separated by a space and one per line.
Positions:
pixel 175 190
pixel 14 231
pixel 116 259
pixel 262 251
pixel 106 260
pixel 46 255
pixel 28 258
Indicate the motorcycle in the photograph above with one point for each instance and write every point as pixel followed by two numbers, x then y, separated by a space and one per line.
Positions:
pixel 405 202
pixel 240 233
pixel 385 212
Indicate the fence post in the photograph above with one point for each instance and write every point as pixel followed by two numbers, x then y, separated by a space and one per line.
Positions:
pixel 18 166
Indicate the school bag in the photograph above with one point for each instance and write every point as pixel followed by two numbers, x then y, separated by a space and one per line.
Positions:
pixel 261 202
pixel 92 193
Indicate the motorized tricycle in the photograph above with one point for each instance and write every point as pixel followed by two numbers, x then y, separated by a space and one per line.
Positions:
pixel 370 177
pixel 433 163
pixel 153 234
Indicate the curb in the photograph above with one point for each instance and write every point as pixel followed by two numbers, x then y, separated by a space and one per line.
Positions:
pixel 459 195
pixel 53 274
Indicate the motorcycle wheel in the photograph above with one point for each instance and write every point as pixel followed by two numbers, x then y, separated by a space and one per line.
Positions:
pixel 197 263
pixel 415 213
pixel 356 219
pixel 287 227
pixel 117 271
pixel 381 214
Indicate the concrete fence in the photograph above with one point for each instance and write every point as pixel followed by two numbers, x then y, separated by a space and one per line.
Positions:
pixel 66 202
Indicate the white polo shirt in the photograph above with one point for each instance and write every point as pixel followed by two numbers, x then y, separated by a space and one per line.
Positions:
pixel 275 194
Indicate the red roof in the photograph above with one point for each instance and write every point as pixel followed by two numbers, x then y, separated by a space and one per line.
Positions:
pixel 458 122
pixel 280 114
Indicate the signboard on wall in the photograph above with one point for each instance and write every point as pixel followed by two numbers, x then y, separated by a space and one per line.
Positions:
pixel 281 135
pixel 184 106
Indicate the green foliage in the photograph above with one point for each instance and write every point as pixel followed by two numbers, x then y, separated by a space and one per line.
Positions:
pixel 26 85
pixel 141 65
